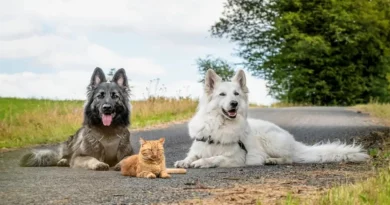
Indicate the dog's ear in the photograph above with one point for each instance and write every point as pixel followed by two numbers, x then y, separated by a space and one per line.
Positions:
pixel 120 78
pixel 241 80
pixel 97 78
pixel 211 80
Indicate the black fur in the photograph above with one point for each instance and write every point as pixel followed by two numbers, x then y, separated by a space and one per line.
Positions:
pixel 119 87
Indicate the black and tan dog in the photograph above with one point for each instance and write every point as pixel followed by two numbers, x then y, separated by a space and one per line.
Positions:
pixel 104 138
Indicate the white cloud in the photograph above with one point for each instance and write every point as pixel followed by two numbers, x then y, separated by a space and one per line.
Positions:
pixel 61 85
pixel 17 28
pixel 66 46
pixel 258 92
pixel 37 46
pixel 169 16
pixel 55 34
pixel 73 53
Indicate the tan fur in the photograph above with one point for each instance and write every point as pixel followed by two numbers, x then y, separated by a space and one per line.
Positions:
pixel 149 163
pixel 176 171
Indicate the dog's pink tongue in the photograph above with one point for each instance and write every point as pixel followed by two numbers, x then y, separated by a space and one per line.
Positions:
pixel 107 119
pixel 232 113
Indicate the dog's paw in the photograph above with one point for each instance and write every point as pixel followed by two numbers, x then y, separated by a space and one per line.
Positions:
pixel 271 161
pixel 117 167
pixel 101 166
pixel 63 163
pixel 252 161
pixel 201 163
pixel 182 164
pixel 276 161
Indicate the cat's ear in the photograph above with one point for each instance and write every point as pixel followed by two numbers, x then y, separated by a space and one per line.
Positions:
pixel 162 140
pixel 142 141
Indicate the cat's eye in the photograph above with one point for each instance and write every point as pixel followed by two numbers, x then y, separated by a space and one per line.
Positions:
pixel 222 94
pixel 236 93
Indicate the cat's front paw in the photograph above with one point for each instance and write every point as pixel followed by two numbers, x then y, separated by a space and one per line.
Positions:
pixel 165 176
pixel 150 176
pixel 202 163
pixel 182 164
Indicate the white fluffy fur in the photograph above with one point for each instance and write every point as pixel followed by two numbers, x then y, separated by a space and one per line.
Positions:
pixel 265 142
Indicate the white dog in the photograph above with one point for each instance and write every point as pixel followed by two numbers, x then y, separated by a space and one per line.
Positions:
pixel 224 137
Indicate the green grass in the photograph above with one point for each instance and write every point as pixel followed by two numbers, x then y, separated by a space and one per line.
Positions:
pixel 26 122
pixel 287 104
pixel 375 190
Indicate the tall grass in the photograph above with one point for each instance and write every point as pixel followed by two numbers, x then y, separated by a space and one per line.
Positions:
pixel 379 110
pixel 161 110
pixel 372 191
pixel 31 121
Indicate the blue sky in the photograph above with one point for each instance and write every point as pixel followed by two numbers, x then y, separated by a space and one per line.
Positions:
pixel 49 48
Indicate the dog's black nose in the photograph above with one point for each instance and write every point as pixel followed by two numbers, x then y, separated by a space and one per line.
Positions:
pixel 107 107
pixel 233 103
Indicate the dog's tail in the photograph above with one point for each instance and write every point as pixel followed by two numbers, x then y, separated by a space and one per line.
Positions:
pixel 40 158
pixel 329 152
pixel 176 171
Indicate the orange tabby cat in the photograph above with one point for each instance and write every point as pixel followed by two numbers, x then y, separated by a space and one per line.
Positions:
pixel 149 163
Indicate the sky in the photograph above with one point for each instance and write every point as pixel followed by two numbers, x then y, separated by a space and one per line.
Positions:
pixel 49 49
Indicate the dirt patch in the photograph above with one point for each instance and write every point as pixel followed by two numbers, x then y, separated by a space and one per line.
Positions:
pixel 306 185
pixel 378 146
pixel 268 192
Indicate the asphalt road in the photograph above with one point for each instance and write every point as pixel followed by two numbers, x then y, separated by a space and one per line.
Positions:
pixel 57 185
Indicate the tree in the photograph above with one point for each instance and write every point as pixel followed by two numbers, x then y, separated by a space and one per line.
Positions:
pixel 111 73
pixel 220 66
pixel 323 52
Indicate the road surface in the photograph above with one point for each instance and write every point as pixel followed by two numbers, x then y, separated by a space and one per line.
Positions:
pixel 58 185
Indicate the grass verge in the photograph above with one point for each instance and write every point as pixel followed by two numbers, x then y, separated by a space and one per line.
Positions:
pixel 378 110
pixel 287 104
pixel 375 190
pixel 26 122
